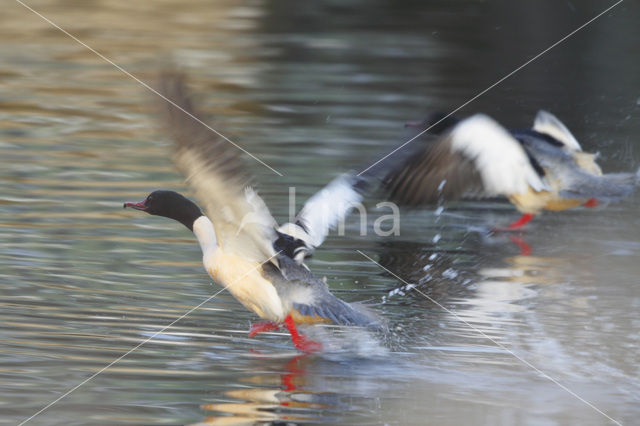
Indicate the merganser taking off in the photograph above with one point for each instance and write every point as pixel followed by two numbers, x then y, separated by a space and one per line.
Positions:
pixel 242 250
pixel 195 150
pixel 543 168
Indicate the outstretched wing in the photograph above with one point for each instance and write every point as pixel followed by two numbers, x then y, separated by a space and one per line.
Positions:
pixel 320 214
pixel 212 168
pixel 476 158
pixel 549 124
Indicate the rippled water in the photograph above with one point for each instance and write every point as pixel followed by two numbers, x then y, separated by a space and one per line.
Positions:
pixel 312 90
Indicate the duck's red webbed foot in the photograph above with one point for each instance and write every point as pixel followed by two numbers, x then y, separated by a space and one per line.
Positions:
pixel 524 219
pixel 300 341
pixel 591 202
pixel 261 327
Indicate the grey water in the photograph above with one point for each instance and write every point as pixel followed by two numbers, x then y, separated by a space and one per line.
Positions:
pixel 535 328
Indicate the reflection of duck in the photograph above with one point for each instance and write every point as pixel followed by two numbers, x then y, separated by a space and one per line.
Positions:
pixel 539 169
pixel 266 399
pixel 243 254
pixel 506 283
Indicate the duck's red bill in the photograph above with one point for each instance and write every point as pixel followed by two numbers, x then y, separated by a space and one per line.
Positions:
pixel 136 206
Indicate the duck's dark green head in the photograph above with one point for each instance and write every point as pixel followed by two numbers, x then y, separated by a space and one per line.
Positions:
pixel 169 204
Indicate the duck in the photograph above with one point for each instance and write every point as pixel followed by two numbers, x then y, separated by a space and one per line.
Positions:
pixel 260 263
pixel 542 168
pixel 194 150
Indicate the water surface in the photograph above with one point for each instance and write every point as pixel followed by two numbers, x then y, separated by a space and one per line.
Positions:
pixel 313 90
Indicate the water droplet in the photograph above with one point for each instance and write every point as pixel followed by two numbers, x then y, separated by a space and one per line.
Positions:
pixel 450 273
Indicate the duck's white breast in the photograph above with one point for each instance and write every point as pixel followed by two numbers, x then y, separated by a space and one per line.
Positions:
pixel 245 282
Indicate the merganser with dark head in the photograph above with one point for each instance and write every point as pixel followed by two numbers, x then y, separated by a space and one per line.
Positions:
pixel 543 168
pixel 268 283
pixel 239 239
pixel 195 150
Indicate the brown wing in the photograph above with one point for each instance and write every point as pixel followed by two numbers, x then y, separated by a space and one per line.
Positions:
pixel 476 158
pixel 434 172
pixel 212 167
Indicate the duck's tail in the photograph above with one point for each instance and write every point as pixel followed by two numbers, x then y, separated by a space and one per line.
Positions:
pixel 609 187
pixel 339 312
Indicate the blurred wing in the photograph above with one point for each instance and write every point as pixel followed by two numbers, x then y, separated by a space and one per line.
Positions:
pixel 549 124
pixel 477 158
pixel 326 208
pixel 212 168
pixel 321 213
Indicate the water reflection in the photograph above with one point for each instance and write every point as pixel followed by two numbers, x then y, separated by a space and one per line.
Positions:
pixel 272 399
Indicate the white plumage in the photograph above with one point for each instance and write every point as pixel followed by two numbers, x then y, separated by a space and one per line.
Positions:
pixel 325 209
pixel 549 124
pixel 499 158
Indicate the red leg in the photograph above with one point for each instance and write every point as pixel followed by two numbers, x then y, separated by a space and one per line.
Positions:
pixel 525 249
pixel 300 341
pixel 261 327
pixel 524 219
pixel 592 202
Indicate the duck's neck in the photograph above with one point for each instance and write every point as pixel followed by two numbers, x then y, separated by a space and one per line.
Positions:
pixel 204 232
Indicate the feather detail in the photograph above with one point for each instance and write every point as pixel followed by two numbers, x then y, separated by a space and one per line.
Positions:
pixel 549 124
pixel 499 158
pixel 213 170
pixel 476 158
pixel 325 209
